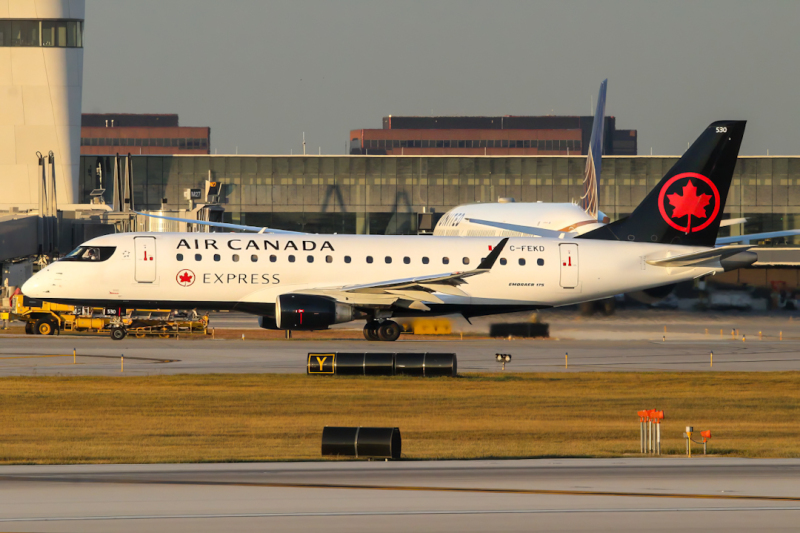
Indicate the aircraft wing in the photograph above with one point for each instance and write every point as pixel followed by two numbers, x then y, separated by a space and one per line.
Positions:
pixel 225 225
pixel 528 230
pixel 758 236
pixel 409 292
pixel 703 258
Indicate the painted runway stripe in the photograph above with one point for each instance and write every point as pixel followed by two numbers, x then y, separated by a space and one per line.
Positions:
pixel 115 357
pixel 401 513
pixel 409 488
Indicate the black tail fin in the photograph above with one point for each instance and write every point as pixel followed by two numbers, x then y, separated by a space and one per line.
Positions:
pixel 686 206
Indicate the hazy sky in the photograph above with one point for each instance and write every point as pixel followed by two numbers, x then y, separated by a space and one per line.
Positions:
pixel 260 73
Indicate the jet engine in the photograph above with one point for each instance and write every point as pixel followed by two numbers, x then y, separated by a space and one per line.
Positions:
pixel 309 312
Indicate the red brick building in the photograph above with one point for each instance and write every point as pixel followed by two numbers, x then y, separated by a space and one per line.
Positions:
pixel 506 135
pixel 103 134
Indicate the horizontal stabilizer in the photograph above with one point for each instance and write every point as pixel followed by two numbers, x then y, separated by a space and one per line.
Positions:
pixel 705 257
pixel 732 221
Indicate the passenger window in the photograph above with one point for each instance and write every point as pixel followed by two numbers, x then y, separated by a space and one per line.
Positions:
pixel 235 258
pixel 445 260
pixel 310 258
pixel 369 259
pixel 347 259
pixel 254 258
pixel 328 259
pixel 466 260
pixel 388 259
pixel 540 262
pixel 217 257
pixel 503 261
pixel 179 257
pixel 273 258
pixel 291 259
pixel 425 260
pixel 198 257
pixel 407 260
pixel 521 262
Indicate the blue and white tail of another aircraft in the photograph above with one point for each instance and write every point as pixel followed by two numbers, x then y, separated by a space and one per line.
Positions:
pixel 591 176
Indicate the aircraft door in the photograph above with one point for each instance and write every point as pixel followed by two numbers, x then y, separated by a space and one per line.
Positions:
pixel 145 259
pixel 569 265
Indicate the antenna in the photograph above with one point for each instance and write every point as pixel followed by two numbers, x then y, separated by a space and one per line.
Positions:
pixel 304 143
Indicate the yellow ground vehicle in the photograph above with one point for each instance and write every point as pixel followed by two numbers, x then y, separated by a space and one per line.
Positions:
pixel 41 318
pixel 45 318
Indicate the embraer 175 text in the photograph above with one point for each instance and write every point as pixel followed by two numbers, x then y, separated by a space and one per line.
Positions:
pixel 303 282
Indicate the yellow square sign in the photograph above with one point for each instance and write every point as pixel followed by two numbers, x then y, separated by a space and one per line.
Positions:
pixel 320 363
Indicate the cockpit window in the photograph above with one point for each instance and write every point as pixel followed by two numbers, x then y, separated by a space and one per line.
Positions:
pixel 90 253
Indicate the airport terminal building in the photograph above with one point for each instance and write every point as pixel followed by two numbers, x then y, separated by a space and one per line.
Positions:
pixel 385 194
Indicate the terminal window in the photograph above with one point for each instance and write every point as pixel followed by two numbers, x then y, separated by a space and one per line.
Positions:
pixel 51 33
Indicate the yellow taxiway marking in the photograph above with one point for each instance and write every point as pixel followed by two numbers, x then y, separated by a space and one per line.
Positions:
pixel 36 356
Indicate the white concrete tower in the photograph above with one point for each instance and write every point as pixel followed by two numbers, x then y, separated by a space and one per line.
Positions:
pixel 41 78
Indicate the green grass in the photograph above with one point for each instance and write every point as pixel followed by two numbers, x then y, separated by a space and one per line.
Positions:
pixel 232 417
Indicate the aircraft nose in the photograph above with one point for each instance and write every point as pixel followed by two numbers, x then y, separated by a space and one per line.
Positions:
pixel 33 287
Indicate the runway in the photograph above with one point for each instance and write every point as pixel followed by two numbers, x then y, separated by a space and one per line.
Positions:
pixel 635 494
pixel 624 342
pixel 20 356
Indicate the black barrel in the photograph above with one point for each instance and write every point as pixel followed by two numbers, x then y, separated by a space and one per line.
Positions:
pixel 362 442
pixel 378 364
pixel 441 364
pixel 349 364
pixel 339 441
pixel 409 364
pixel 378 442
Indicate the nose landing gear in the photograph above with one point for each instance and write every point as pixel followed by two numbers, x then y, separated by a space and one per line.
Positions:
pixel 386 330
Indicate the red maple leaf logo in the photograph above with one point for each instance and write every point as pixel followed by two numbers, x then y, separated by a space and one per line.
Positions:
pixel 185 278
pixel 689 203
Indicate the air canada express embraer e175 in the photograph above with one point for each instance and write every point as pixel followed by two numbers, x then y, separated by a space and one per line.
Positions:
pixel 299 281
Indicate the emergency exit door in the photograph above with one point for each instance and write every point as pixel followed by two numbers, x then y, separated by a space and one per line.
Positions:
pixel 145 259
pixel 569 265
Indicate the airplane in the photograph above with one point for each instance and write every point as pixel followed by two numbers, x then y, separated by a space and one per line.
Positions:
pixel 551 219
pixel 308 282
pixel 559 219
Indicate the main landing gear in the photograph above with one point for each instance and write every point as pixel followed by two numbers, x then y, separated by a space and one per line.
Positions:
pixel 382 331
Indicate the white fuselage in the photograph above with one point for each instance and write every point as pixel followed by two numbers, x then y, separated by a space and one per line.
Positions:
pixel 180 270
pixel 564 217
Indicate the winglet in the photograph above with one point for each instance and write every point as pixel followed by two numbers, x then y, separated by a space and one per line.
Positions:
pixel 490 259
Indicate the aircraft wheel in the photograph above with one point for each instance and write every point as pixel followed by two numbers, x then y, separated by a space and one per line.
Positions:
pixel 118 333
pixel 389 331
pixel 29 328
pixel 46 326
pixel 371 331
